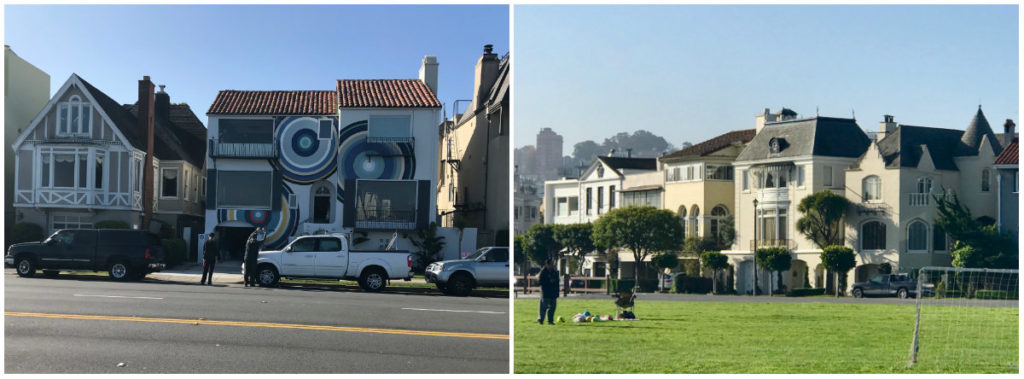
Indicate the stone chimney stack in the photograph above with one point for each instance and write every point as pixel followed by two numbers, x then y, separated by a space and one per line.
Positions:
pixel 886 127
pixel 1009 130
pixel 145 121
pixel 764 118
pixel 428 72
pixel 486 74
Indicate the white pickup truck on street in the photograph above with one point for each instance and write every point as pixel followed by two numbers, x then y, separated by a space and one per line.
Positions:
pixel 329 257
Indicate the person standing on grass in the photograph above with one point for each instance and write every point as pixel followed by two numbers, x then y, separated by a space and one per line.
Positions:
pixel 549 292
pixel 210 255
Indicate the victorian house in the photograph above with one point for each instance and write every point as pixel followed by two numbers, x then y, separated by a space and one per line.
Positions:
pixel 359 159
pixel 86 158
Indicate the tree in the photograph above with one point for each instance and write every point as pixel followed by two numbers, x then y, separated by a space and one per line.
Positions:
pixel 521 245
pixel 977 245
pixel 576 240
pixel 774 260
pixel 540 239
pixel 714 261
pixel 642 230
pixel 838 260
pixel 822 220
pixel 429 243
pixel 664 261
pixel 726 232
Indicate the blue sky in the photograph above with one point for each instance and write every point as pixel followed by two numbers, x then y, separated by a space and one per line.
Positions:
pixel 197 50
pixel 689 73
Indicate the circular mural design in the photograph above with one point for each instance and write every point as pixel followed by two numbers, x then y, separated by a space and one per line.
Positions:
pixel 280 225
pixel 358 159
pixel 303 157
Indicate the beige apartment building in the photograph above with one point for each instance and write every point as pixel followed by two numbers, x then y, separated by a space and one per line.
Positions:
pixel 26 92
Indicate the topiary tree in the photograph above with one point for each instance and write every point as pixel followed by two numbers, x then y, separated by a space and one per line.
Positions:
pixel 774 260
pixel 577 241
pixel 838 260
pixel 716 262
pixel 642 230
pixel 822 220
pixel 26 232
pixel 664 261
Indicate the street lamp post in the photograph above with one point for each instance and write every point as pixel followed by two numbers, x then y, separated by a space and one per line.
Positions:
pixel 753 253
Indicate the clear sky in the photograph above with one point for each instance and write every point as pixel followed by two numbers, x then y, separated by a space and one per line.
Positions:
pixel 197 50
pixel 689 73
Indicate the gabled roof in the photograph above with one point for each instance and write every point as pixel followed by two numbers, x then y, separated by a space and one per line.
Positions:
pixel 123 120
pixel 902 148
pixel 1009 154
pixel 385 93
pixel 971 140
pixel 622 163
pixel 303 102
pixel 712 145
pixel 815 136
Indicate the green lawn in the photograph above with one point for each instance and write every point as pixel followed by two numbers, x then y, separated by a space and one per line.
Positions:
pixel 718 337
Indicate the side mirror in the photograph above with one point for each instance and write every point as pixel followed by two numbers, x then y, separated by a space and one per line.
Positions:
pixel 287 249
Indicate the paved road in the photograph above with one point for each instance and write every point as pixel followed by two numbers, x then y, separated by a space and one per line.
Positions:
pixel 91 325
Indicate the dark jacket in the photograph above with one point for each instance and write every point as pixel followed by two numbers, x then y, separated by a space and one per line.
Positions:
pixel 252 248
pixel 549 283
pixel 210 249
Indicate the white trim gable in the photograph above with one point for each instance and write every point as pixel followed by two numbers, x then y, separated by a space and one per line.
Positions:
pixel 985 141
pixel 926 163
pixel 76 81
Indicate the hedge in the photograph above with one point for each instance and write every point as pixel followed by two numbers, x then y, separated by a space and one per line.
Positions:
pixel 112 225
pixel 691 284
pixel 800 292
pixel 995 294
pixel 26 232
pixel 646 285
pixel 174 251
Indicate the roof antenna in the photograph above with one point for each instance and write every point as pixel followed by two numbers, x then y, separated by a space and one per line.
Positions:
pixel 815 111
pixel 853 114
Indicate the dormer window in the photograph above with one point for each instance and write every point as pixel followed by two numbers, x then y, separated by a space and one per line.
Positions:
pixel 74 118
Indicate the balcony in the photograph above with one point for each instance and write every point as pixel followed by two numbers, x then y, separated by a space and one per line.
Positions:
pixel 786 243
pixel 920 199
pixel 78 198
pixel 773 195
pixel 385 220
pixel 219 149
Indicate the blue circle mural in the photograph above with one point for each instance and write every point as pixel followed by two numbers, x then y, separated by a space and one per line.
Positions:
pixel 303 157
pixel 280 225
pixel 358 159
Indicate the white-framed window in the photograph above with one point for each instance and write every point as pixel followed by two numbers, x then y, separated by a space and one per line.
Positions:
pixel 746 180
pixel 71 222
pixel 682 219
pixel 689 172
pixel 872 236
pixel 590 201
pixel 871 188
pixel 169 183
pixel 562 208
pixel 800 176
pixel 676 175
pixel 69 168
pixel 917 236
pixel 574 205
pixel 188 178
pixel 714 172
pixel 600 200
pixel 985 176
pixel 611 197
pixel 827 176
pixel 773 223
pixel 74 118
pixel 924 185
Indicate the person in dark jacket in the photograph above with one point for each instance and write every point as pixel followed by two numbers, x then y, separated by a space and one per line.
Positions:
pixel 549 292
pixel 210 255
pixel 252 252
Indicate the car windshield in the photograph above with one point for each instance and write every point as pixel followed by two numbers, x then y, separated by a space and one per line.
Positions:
pixel 477 254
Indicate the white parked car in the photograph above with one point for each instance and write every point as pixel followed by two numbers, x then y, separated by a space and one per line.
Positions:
pixel 329 257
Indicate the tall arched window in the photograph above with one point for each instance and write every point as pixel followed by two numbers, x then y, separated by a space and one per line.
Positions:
pixel 917 236
pixel 872 236
pixel 321 197
pixel 871 188
pixel 695 220
pixel 924 185
pixel 682 218
pixel 717 214
pixel 984 180
pixel 74 117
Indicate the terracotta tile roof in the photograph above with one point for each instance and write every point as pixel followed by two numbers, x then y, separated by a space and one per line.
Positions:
pixel 714 144
pixel 1009 154
pixel 274 103
pixel 386 93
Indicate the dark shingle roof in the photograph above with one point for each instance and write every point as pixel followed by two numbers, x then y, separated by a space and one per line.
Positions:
pixel 623 163
pixel 714 144
pixel 902 148
pixel 818 136
pixel 1009 154
pixel 274 103
pixel 122 119
pixel 386 93
pixel 971 139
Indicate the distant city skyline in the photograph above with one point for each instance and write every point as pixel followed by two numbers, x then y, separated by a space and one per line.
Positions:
pixel 198 50
pixel 690 72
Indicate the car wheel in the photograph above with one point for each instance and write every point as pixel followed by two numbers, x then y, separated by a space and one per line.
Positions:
pixel 51 273
pixel 267 276
pixel 858 293
pixel 460 285
pixel 373 279
pixel 902 293
pixel 26 267
pixel 119 271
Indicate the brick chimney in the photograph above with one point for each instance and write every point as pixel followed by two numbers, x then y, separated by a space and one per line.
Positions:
pixel 145 120
pixel 1009 129
pixel 428 72
pixel 486 74
pixel 163 103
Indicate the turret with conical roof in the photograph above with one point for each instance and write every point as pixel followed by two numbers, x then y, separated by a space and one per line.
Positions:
pixel 970 142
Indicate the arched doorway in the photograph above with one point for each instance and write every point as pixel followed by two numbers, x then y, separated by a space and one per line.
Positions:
pixel 819 276
pixel 797 276
pixel 321 204
pixel 695 221
pixel 718 213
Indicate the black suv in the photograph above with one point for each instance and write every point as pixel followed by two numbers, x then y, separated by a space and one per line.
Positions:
pixel 126 254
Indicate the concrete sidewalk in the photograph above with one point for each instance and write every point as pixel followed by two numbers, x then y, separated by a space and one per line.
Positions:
pixel 229 272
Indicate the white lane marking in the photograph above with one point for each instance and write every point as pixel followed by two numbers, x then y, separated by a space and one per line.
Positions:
pixel 453 310
pixel 121 297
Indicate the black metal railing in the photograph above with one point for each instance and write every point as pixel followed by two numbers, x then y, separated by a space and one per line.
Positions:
pixel 259 150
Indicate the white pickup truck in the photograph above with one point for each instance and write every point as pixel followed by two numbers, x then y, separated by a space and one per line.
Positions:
pixel 329 256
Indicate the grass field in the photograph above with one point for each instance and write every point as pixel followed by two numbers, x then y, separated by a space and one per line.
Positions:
pixel 726 337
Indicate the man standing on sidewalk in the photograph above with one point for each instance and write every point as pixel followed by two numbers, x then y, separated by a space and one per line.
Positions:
pixel 549 292
pixel 252 251
pixel 210 255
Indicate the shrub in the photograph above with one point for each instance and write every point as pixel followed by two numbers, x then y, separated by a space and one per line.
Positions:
pixel 799 292
pixel 174 251
pixel 112 225
pixel 26 232
pixel 691 284
pixel 995 294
